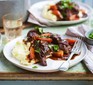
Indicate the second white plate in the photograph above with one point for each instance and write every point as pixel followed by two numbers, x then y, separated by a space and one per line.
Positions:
pixel 37 8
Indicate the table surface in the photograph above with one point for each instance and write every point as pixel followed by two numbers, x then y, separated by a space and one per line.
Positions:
pixel 8 71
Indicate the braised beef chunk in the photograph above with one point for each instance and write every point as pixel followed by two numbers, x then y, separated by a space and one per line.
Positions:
pixel 68 13
pixel 58 4
pixel 42 60
pixel 64 45
pixel 42 50
pixel 64 42
pixel 31 35
pixel 84 15
pixel 66 48
pixel 55 38
pixel 75 9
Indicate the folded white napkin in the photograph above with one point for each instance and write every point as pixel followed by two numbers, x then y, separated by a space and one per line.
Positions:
pixel 34 20
pixel 40 22
pixel 79 31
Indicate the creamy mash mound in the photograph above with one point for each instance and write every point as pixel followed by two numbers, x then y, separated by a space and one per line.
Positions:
pixel 48 13
pixel 20 52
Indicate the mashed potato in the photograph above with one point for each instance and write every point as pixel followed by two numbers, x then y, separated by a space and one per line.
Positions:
pixel 48 13
pixel 20 52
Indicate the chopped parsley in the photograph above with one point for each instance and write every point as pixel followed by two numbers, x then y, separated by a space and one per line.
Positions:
pixel 55 48
pixel 66 1
pixel 91 35
pixel 40 30
pixel 66 4
pixel 34 67
pixel 50 46
pixel 37 50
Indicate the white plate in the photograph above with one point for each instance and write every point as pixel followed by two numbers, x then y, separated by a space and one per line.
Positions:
pixel 52 65
pixel 37 8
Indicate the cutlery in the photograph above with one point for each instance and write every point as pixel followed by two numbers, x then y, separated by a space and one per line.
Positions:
pixel 75 50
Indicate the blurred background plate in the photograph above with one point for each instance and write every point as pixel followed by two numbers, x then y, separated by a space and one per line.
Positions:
pixel 37 8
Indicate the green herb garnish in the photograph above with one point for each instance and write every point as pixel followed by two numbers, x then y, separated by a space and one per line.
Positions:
pixel 91 35
pixel 50 46
pixel 37 50
pixel 40 30
pixel 34 67
pixel 66 4
pixel 66 1
pixel 55 48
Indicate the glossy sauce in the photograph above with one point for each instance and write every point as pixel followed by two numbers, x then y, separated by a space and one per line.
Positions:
pixel 63 58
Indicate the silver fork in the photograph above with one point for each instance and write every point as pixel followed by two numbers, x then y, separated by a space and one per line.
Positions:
pixel 75 50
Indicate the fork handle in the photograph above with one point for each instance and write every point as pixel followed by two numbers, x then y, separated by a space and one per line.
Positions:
pixel 71 55
pixel 68 59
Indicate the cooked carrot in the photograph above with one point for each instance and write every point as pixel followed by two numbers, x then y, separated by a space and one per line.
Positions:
pixel 73 17
pixel 32 53
pixel 71 41
pixel 57 13
pixel 45 39
pixel 59 54
pixel 53 7
pixel 46 34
